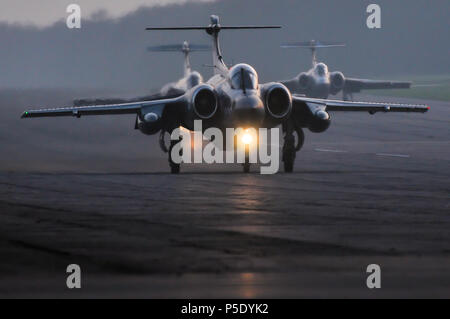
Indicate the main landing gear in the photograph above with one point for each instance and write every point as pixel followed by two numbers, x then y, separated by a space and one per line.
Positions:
pixel 174 167
pixel 289 146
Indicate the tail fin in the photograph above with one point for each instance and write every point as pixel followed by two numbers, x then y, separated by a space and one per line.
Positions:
pixel 313 45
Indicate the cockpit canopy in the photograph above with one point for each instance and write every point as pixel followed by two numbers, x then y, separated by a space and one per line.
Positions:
pixel 321 69
pixel 194 79
pixel 243 76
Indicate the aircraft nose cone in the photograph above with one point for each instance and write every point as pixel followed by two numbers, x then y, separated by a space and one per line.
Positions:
pixel 248 111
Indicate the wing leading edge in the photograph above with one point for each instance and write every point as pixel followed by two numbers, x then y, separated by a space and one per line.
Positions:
pixel 353 85
pixel 371 107
pixel 108 109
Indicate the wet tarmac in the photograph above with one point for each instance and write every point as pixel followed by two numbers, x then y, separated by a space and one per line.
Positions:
pixel 94 192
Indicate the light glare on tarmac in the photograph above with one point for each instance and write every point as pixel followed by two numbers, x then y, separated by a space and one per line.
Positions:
pixel 106 202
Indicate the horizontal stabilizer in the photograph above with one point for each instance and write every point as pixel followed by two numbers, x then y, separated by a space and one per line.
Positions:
pixel 312 44
pixel 179 48
pixel 215 28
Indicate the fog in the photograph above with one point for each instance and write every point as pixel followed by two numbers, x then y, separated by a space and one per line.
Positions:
pixel 110 53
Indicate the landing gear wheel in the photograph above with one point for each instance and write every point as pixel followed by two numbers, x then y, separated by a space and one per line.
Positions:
pixel 174 167
pixel 289 147
pixel 288 166
pixel 288 157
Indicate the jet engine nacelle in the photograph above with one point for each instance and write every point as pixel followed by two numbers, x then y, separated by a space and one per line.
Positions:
pixel 204 102
pixel 277 102
pixel 149 123
pixel 337 82
pixel 303 81
pixel 319 122
pixel 202 105
pixel 193 79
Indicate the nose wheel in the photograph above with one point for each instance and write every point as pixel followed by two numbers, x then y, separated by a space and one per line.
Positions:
pixel 247 160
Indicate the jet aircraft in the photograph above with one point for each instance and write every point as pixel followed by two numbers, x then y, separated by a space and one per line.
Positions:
pixel 231 98
pixel 191 78
pixel 319 82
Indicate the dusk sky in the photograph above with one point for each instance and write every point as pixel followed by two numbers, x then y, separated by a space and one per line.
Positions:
pixel 46 12
pixel 109 51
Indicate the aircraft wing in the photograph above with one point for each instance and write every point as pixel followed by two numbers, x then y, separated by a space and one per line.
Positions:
pixel 107 101
pixel 107 109
pixel 371 107
pixel 353 85
pixel 293 86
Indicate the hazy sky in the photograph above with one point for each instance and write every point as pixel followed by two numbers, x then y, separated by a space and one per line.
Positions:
pixel 111 53
pixel 45 12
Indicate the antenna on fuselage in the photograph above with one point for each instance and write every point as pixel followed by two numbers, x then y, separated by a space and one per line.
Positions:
pixel 213 29
pixel 313 45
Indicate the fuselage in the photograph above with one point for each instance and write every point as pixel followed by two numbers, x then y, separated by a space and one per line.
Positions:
pixel 317 82
pixel 320 81
pixel 243 102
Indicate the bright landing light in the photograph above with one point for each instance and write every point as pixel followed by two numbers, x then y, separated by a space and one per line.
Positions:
pixel 247 138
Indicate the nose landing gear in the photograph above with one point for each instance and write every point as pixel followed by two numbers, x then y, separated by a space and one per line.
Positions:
pixel 247 160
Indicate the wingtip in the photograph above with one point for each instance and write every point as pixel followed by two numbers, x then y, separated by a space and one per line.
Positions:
pixel 24 115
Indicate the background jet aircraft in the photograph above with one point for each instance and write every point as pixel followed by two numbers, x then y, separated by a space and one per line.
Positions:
pixel 231 98
pixel 189 80
pixel 320 83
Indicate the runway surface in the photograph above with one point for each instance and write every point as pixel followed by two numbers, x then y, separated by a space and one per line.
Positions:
pixel 95 192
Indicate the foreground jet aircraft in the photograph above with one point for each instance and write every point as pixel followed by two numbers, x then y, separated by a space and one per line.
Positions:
pixel 232 98
pixel 320 83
